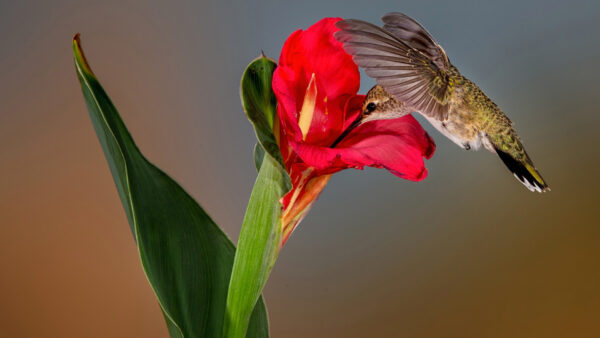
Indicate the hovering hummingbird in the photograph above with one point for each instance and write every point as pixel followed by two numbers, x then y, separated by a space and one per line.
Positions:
pixel 413 73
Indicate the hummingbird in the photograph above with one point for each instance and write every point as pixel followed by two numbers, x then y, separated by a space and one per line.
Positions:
pixel 413 73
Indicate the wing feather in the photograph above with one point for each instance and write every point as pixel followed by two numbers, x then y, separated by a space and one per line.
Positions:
pixel 406 29
pixel 403 58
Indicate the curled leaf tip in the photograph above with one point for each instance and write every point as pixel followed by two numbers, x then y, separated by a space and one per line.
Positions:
pixel 80 59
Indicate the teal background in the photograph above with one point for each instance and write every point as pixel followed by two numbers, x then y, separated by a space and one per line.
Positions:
pixel 468 252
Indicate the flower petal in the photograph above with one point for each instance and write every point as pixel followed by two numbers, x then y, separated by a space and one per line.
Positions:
pixel 315 51
pixel 288 100
pixel 398 145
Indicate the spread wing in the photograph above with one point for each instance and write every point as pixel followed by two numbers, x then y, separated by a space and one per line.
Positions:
pixel 404 59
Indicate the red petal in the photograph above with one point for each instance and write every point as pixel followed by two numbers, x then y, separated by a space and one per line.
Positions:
pixel 284 86
pixel 315 51
pixel 398 145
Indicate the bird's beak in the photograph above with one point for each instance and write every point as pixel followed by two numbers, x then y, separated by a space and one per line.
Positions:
pixel 354 124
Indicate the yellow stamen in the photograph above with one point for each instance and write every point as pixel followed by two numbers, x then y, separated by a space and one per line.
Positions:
pixel 308 107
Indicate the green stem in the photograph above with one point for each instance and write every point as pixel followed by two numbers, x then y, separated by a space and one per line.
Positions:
pixel 258 247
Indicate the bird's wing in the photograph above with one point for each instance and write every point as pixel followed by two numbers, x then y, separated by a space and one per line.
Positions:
pixel 404 59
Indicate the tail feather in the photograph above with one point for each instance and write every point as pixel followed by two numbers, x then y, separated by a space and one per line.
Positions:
pixel 524 172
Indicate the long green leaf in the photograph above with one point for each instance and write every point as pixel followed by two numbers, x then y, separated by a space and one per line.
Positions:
pixel 186 257
pixel 260 236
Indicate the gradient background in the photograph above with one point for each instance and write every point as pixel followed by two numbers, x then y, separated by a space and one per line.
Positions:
pixel 468 252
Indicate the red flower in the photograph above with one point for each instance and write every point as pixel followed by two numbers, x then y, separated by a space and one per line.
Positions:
pixel 316 85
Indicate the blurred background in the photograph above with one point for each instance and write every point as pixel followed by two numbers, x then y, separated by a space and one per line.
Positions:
pixel 469 252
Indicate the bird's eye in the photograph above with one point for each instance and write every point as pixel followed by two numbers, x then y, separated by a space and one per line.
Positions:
pixel 371 107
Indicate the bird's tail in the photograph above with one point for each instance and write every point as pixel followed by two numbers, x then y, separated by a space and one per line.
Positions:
pixel 524 171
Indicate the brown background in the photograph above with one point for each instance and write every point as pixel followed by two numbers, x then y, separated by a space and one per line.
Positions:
pixel 466 253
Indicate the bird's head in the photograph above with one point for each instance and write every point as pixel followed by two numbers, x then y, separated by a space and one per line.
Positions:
pixel 379 105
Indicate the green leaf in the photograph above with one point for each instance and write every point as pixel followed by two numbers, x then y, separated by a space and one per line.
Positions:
pixel 261 233
pixel 260 103
pixel 185 255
